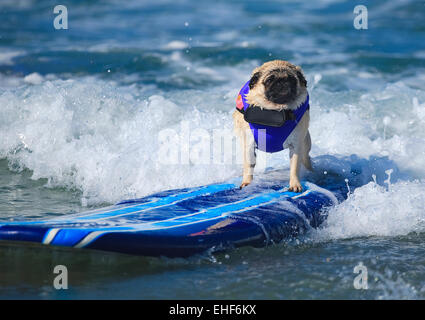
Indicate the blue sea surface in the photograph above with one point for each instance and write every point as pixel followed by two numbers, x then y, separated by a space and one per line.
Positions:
pixel 82 111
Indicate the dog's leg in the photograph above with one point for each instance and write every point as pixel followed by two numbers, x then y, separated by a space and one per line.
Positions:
pixel 307 147
pixel 299 153
pixel 243 132
pixel 294 181
pixel 249 157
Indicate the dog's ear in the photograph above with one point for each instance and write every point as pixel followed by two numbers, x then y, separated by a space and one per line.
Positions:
pixel 254 79
pixel 300 76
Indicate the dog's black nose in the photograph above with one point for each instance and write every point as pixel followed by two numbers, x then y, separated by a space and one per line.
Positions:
pixel 281 85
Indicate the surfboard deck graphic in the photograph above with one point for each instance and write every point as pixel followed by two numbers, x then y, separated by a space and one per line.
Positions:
pixel 183 222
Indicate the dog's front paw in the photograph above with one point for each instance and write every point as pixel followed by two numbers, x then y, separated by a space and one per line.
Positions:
pixel 246 181
pixel 295 186
pixel 244 184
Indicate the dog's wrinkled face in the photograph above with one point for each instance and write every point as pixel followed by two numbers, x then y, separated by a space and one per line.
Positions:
pixel 280 86
pixel 277 84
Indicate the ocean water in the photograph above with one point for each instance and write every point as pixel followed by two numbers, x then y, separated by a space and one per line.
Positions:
pixel 82 111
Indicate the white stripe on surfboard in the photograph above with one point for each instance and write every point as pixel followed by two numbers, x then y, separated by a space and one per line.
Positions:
pixel 83 216
pixel 50 235
pixel 301 194
pixel 93 235
pixel 88 238
pixel 113 208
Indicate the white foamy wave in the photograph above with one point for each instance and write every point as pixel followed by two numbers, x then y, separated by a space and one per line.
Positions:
pixel 374 210
pixel 385 122
pixel 103 140
pixel 176 45
pixel 34 78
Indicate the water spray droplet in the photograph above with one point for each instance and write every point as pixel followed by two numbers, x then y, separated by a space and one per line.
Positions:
pixel 348 187
pixel 386 120
pixel 388 181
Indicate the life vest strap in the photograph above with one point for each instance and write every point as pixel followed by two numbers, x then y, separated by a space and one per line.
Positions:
pixel 273 118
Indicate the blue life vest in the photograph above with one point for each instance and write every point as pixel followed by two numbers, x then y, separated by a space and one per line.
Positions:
pixel 267 138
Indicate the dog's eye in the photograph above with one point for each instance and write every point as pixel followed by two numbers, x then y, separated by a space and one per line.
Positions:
pixel 269 80
pixel 254 79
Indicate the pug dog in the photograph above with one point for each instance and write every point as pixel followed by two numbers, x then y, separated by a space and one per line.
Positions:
pixel 280 86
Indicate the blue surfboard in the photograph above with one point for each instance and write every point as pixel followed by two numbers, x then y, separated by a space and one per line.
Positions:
pixel 183 222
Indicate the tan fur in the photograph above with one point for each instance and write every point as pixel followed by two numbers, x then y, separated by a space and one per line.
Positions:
pixel 298 142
